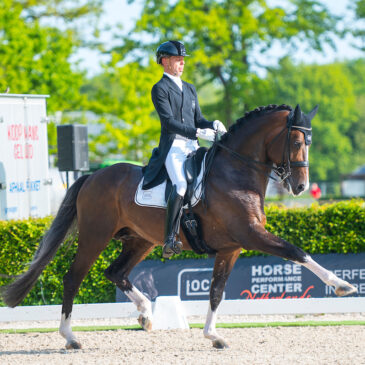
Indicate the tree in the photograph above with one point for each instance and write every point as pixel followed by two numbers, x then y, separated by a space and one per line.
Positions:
pixel 223 38
pixel 35 53
pixel 356 74
pixel 122 97
pixel 37 40
pixel 360 8
pixel 331 153
pixel 360 14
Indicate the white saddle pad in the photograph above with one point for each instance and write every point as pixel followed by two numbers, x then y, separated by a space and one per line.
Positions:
pixel 155 197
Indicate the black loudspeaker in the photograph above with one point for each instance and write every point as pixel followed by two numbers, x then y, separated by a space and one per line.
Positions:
pixel 73 151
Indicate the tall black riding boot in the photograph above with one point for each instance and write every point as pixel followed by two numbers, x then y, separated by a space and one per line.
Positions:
pixel 174 205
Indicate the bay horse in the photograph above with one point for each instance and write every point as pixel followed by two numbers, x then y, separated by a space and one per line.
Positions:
pixel 103 206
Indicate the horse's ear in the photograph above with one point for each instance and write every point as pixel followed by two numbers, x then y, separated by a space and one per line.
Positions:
pixel 312 113
pixel 297 114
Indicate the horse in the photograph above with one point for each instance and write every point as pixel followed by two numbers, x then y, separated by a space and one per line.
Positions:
pixel 267 139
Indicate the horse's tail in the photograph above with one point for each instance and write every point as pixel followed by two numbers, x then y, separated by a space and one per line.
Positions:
pixel 16 291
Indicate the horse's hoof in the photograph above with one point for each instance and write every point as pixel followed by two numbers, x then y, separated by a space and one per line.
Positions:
pixel 220 344
pixel 145 323
pixel 343 291
pixel 73 345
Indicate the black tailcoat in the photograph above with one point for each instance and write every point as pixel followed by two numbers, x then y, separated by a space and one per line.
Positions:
pixel 179 113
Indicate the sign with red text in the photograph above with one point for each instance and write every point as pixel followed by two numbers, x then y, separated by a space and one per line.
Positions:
pixel 253 278
pixel 24 179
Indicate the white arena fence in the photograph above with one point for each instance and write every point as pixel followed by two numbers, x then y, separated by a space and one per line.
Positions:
pixel 192 308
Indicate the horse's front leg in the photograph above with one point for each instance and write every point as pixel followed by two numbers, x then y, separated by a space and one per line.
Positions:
pixel 268 243
pixel 342 287
pixel 222 268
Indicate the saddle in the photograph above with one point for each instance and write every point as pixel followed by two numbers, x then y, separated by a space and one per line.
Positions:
pixel 189 222
pixel 195 171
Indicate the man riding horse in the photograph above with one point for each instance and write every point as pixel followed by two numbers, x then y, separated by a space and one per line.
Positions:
pixel 182 122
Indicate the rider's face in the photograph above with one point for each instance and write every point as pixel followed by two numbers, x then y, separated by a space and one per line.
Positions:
pixel 174 65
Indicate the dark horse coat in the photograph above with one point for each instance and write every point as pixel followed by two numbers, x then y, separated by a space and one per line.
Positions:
pixel 102 205
pixel 179 113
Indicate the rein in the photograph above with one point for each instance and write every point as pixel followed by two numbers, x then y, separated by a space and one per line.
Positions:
pixel 283 171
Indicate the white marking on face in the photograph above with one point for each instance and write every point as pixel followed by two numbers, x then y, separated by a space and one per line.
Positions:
pixel 307 159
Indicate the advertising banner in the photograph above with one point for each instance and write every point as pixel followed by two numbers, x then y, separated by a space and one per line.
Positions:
pixel 251 278
pixel 24 179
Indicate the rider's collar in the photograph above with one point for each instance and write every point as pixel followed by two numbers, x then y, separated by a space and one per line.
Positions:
pixel 175 79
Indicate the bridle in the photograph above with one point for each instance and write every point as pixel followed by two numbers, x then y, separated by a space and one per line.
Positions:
pixel 283 171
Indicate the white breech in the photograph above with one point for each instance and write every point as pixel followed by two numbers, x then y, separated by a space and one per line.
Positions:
pixel 175 162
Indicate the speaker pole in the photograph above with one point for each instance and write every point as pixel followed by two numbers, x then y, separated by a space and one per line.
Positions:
pixel 67 180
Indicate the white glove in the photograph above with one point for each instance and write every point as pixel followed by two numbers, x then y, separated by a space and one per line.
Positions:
pixel 219 127
pixel 206 133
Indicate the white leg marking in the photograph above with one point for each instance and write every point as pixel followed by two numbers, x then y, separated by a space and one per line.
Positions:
pixel 142 303
pixel 342 287
pixel 325 275
pixel 66 331
pixel 210 330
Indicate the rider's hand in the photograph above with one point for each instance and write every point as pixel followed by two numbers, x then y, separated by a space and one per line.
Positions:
pixel 207 134
pixel 219 127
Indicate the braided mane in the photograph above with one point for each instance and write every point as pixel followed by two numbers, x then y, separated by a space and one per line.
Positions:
pixel 254 113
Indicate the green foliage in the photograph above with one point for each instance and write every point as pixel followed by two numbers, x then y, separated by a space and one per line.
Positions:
pixel 122 98
pixel 319 229
pixel 331 228
pixel 19 242
pixel 35 54
pixel 355 70
pixel 37 41
pixel 334 126
pixel 359 31
pixel 223 37
pixel 360 8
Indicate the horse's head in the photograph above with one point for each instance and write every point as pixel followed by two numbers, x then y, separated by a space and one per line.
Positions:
pixel 291 153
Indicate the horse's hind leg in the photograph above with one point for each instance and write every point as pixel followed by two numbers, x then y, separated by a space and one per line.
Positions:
pixel 135 249
pixel 223 265
pixel 268 243
pixel 89 248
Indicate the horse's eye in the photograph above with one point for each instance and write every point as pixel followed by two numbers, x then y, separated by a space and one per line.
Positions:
pixel 297 144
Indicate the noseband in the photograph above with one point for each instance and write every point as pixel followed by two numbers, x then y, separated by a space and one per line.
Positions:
pixel 283 171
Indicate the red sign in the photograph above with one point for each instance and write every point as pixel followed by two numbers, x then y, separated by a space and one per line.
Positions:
pixel 17 132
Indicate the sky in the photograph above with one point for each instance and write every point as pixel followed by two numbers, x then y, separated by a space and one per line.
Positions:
pixel 119 11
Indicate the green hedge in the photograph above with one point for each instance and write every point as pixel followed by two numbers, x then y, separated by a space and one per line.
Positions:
pixel 330 228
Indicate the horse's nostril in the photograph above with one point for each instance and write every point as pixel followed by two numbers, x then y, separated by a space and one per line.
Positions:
pixel 301 187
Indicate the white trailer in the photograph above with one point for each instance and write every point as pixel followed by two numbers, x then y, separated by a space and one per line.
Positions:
pixel 24 174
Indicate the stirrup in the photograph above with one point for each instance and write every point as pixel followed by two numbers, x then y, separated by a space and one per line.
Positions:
pixel 171 247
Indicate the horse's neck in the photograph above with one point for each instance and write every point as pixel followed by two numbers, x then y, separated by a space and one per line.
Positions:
pixel 248 141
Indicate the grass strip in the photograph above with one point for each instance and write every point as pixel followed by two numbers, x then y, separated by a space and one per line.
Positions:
pixel 194 325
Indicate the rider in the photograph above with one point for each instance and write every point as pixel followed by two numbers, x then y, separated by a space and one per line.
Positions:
pixel 177 105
